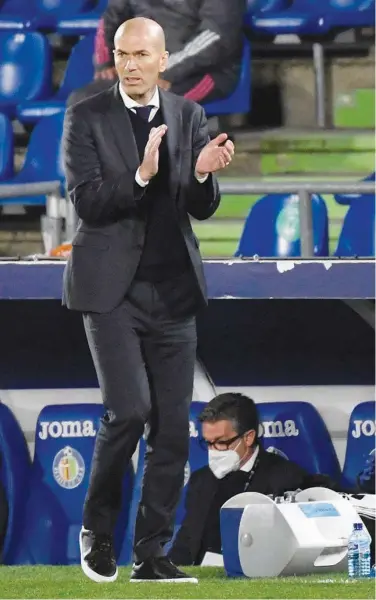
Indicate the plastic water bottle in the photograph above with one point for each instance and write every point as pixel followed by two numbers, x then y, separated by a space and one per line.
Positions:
pixel 364 553
pixel 353 552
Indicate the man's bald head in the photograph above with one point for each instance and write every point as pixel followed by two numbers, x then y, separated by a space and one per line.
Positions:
pixel 142 27
pixel 140 56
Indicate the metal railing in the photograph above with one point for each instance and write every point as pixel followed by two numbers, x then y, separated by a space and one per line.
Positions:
pixel 59 209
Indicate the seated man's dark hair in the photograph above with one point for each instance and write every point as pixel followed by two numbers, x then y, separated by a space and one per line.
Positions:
pixel 234 407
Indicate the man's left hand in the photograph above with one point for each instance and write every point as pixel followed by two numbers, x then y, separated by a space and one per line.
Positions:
pixel 215 157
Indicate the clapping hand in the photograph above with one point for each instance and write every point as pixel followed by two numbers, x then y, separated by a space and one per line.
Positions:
pixel 149 165
pixel 214 156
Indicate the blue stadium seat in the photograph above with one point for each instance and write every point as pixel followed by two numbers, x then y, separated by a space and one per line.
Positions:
pixel 240 99
pixel 272 227
pixel 360 442
pixel 16 15
pixel 25 69
pixel 79 72
pixel 65 437
pixel 21 15
pixel 354 13
pixel 346 199
pixel 6 148
pixel 257 7
pixel 84 23
pixel 14 475
pixel 309 17
pixel 198 458
pixel 297 431
pixel 357 237
pixel 48 14
pixel 43 160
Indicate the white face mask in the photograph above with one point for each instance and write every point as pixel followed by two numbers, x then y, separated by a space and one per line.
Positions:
pixel 223 462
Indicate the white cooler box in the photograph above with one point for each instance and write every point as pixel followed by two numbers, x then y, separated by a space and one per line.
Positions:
pixel 263 539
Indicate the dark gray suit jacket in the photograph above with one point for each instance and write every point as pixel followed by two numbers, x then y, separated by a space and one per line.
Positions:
pixel 101 160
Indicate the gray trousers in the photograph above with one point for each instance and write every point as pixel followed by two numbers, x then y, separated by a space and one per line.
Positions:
pixel 144 359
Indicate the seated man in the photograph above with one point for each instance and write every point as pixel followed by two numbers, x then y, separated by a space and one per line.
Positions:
pixel 237 463
pixel 204 39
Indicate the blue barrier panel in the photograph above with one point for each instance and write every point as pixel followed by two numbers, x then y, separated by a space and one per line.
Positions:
pixel 235 278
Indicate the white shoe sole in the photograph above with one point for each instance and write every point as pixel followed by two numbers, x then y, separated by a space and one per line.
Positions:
pixel 177 580
pixel 92 574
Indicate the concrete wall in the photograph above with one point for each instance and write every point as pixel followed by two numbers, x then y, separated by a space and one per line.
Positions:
pixel 295 79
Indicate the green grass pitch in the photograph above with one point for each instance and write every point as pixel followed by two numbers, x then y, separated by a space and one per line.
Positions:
pixel 69 582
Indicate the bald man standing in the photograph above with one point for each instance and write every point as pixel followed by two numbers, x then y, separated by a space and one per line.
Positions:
pixel 138 162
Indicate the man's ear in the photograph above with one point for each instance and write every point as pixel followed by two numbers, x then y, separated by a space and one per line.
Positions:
pixel 163 62
pixel 250 437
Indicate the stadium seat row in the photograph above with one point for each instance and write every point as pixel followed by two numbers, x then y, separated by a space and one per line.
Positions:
pixel 26 78
pixel 265 17
pixel 26 83
pixel 305 18
pixel 67 17
pixel 46 496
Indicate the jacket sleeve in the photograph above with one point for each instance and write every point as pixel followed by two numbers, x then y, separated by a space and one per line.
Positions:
pixel 202 198
pixel 287 476
pixel 103 58
pixel 318 480
pixel 182 551
pixel 218 37
pixel 97 200
pixel 116 13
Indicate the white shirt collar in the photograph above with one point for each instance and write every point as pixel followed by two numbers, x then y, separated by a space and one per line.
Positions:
pixel 129 103
pixel 248 466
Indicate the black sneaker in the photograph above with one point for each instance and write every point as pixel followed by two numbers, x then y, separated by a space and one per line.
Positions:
pixel 97 557
pixel 159 569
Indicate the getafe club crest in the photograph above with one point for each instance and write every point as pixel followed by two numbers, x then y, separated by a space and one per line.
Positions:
pixel 68 468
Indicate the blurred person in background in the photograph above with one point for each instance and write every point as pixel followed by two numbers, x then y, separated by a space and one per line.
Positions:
pixel 237 463
pixel 204 39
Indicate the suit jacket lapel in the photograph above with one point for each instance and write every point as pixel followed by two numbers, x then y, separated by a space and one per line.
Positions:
pixel 172 118
pixel 121 127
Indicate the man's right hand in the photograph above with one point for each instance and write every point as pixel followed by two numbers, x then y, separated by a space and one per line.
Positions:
pixel 149 166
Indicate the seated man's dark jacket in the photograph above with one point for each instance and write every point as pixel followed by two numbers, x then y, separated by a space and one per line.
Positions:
pixel 273 475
